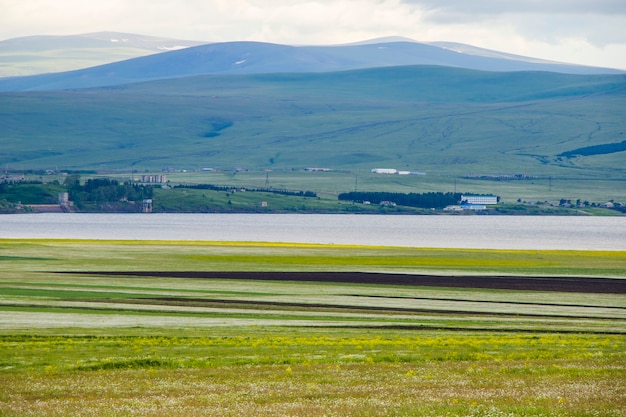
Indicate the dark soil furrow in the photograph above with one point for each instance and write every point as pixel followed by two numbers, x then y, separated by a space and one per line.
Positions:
pixel 525 283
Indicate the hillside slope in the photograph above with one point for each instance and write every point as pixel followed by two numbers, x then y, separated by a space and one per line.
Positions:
pixel 417 118
pixel 266 58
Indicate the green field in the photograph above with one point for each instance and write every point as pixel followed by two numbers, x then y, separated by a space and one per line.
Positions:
pixel 329 184
pixel 154 339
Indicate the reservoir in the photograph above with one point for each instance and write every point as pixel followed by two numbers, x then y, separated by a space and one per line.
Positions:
pixel 471 232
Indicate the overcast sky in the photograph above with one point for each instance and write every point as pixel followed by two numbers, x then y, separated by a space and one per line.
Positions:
pixel 591 32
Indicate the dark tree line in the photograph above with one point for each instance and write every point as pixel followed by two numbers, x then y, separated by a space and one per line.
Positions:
pixel 104 190
pixel 602 149
pixel 436 200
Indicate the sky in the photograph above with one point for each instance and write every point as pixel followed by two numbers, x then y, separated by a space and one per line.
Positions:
pixel 588 32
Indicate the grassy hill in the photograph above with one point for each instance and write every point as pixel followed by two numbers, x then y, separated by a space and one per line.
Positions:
pixel 429 119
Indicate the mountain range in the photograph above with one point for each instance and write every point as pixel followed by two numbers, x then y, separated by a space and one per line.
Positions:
pixel 264 58
pixel 391 102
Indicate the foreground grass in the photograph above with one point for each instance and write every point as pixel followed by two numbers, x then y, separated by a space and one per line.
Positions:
pixel 304 372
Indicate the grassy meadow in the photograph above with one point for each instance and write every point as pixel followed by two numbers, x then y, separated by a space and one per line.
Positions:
pixel 155 340
pixel 329 184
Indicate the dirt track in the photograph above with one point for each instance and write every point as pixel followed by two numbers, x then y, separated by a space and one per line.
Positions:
pixel 564 284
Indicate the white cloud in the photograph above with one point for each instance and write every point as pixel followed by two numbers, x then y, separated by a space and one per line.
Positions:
pixel 580 31
pixel 475 8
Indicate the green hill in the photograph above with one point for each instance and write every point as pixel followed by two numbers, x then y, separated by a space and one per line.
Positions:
pixel 415 118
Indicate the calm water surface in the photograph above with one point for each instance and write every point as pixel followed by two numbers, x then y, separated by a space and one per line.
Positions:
pixel 493 232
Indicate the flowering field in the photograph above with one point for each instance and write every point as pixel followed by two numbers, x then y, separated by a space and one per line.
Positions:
pixel 292 372
pixel 155 329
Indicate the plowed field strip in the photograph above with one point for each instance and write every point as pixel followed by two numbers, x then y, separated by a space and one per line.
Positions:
pixel 560 284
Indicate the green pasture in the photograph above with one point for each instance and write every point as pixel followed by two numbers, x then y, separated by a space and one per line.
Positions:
pixel 201 201
pixel 74 341
pixel 20 256
pixel 328 185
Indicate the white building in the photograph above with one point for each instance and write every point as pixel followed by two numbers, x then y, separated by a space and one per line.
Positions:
pixel 384 171
pixel 479 199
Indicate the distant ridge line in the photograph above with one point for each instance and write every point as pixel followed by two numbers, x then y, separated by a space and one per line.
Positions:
pixel 251 57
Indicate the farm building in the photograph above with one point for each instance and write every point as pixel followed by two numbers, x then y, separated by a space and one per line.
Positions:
pixel 384 171
pixel 394 171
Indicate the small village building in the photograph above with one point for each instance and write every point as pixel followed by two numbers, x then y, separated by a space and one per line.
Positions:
pixel 147 205
pixel 156 179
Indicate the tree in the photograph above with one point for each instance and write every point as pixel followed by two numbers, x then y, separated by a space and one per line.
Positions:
pixel 72 181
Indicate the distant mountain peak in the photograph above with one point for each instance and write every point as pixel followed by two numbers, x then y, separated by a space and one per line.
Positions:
pixel 385 39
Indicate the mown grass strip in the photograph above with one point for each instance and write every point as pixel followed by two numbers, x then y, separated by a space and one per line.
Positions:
pixel 175 255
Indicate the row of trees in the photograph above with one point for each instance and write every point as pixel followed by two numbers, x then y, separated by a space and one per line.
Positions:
pixel 436 200
pixel 104 190
pixel 605 148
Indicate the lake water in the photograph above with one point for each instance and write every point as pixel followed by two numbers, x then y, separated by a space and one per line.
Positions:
pixel 488 232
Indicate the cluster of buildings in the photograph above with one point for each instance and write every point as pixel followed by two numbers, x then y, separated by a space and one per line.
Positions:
pixel 12 179
pixel 154 179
